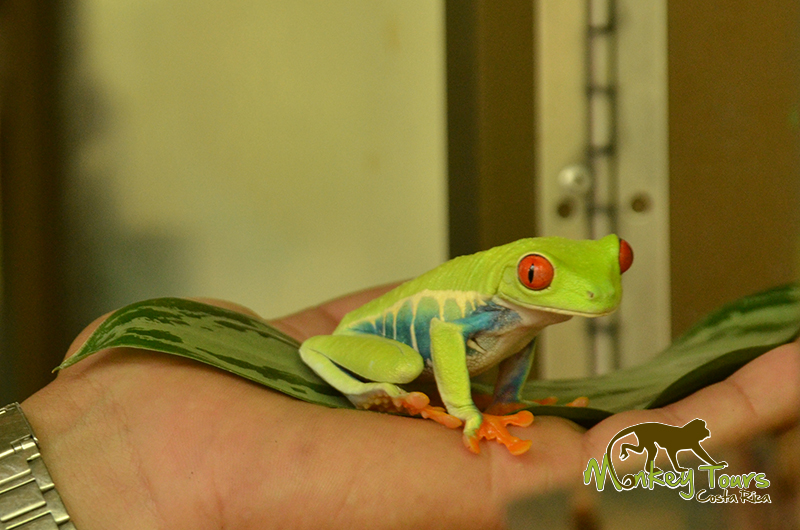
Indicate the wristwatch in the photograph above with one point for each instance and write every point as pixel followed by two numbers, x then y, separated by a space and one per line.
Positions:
pixel 28 497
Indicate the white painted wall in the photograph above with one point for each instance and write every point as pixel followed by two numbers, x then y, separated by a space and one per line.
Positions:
pixel 274 153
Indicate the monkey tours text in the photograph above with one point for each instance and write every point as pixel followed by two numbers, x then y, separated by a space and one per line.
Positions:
pixel 722 487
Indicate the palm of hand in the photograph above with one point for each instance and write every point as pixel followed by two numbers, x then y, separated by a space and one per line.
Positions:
pixel 146 441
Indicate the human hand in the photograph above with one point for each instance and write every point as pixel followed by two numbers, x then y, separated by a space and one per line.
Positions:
pixel 141 440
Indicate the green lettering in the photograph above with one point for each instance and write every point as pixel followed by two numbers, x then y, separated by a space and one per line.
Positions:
pixel 600 472
pixel 724 480
pixel 672 480
pixel 652 478
pixel 687 479
pixel 640 478
pixel 761 481
pixel 747 478
pixel 711 470
pixel 736 481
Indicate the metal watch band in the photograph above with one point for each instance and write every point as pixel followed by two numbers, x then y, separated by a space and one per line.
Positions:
pixel 28 497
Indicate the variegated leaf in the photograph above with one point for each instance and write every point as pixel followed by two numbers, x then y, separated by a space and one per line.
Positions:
pixel 226 339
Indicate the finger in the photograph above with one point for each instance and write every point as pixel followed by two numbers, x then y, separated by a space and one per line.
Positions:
pixel 760 396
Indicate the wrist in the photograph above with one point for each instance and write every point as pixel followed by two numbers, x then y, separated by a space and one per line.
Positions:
pixel 85 455
pixel 28 497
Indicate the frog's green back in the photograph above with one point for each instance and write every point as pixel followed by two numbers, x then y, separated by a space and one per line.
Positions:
pixel 480 273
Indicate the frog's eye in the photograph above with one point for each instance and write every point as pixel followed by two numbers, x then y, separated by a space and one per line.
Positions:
pixel 625 256
pixel 535 272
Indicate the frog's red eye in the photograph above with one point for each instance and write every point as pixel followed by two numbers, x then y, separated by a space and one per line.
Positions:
pixel 625 256
pixel 535 272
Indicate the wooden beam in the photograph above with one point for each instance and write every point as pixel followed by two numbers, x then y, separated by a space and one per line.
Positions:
pixel 30 172
pixel 490 101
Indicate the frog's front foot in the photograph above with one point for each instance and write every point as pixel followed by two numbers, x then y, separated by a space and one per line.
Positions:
pixel 494 428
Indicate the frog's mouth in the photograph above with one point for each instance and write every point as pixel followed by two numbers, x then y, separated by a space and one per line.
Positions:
pixel 588 314
pixel 559 311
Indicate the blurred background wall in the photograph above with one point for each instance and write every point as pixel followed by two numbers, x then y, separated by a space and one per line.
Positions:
pixel 273 153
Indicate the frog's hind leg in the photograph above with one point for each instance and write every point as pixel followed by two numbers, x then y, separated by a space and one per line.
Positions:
pixel 383 363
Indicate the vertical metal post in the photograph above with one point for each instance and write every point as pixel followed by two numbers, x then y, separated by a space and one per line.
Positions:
pixel 601 158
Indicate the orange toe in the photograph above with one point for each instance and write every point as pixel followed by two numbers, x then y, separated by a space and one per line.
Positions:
pixel 471 443
pixel 520 447
pixel 579 402
pixel 412 402
pixel 522 418
pixel 494 428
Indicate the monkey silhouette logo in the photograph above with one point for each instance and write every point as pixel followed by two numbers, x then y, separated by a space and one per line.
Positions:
pixel 651 436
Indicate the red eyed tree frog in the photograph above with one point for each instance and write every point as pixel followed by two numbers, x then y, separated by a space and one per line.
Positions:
pixel 462 318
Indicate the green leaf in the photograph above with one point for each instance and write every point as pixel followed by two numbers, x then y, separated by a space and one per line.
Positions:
pixel 712 350
pixel 226 339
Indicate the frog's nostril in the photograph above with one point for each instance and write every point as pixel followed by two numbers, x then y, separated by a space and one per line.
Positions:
pixel 590 294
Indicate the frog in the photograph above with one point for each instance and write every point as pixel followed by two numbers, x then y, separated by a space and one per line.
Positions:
pixel 462 318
